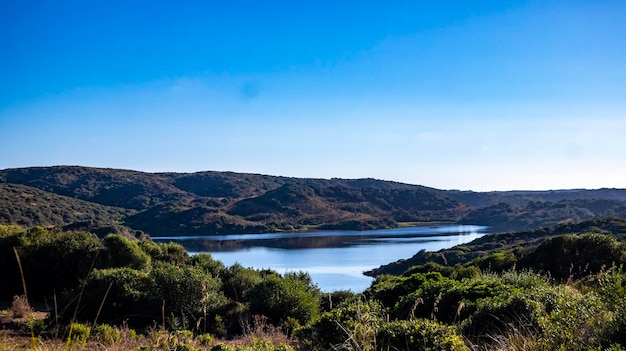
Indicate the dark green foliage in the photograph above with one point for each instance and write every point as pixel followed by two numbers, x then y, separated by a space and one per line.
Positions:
pixel 52 261
pixel 495 262
pixel 501 315
pixel 335 298
pixel 220 202
pixel 222 347
pixel 456 272
pixel 122 252
pixel 448 300
pixel 164 252
pixel 521 198
pixel 280 298
pixel 354 319
pixel 10 283
pixel 419 335
pixel 187 292
pixel 79 333
pixel 503 242
pixel 206 262
pixel 238 281
pixel 575 255
pixel 123 292
pixel 389 289
pixel 106 334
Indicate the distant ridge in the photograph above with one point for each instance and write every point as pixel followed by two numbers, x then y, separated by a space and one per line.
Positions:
pixel 211 202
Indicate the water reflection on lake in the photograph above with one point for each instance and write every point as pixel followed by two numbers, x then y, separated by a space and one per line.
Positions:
pixel 336 260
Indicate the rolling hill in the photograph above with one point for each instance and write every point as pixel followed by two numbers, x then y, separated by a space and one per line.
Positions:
pixel 206 203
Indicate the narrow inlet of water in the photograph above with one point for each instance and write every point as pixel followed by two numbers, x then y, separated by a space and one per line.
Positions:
pixel 335 260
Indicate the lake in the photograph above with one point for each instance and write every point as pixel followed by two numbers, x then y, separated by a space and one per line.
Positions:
pixel 335 260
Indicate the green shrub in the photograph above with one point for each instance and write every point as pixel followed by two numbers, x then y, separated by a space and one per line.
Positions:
pixel 222 347
pixel 218 327
pixel 36 326
pixel 181 346
pixel 611 286
pixel 9 230
pixel 152 249
pixel 173 253
pixel 517 313
pixel 578 322
pixel 79 333
pixel 334 299
pixel 125 293
pixel 575 256
pixel 238 281
pixel 54 263
pixel 353 323
pixel 205 339
pixel 524 279
pixel 496 262
pixel 122 252
pixel 207 263
pixel 107 334
pixel 390 289
pixel 279 298
pixel 456 272
pixel 188 293
pixel 449 300
pixel 418 335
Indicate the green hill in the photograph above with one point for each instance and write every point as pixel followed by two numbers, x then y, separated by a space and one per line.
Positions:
pixel 211 202
pixel 28 206
pixel 495 247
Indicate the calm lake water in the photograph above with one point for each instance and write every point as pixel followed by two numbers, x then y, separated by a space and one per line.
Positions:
pixel 335 260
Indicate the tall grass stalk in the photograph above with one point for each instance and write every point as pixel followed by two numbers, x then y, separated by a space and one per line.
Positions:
pixel 82 291
pixel 102 303
pixel 30 317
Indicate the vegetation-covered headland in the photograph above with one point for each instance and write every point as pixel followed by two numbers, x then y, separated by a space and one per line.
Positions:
pixel 557 288
pixel 207 203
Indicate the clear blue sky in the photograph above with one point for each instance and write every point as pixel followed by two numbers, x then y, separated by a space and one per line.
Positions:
pixel 479 95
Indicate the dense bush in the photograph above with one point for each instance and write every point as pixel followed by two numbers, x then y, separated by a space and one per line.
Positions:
pixel 351 325
pixel 122 292
pixel 52 261
pixel 187 294
pixel 496 262
pixel 419 335
pixel 106 334
pixel 122 252
pixel 238 281
pixel 575 256
pixel 576 301
pixel 280 298
pixel 500 316
pixel 390 289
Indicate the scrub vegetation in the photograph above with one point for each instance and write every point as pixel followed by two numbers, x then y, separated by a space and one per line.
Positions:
pixel 208 203
pixel 558 291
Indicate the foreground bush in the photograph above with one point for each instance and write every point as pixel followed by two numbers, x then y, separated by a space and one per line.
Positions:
pixel 418 335
pixel 282 298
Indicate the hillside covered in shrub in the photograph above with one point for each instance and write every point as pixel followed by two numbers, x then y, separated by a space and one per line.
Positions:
pixel 208 203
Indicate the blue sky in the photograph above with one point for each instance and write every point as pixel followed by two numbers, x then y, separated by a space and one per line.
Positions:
pixel 478 95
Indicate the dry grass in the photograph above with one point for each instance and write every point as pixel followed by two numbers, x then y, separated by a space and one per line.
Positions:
pixel 20 307
pixel 260 328
pixel 154 340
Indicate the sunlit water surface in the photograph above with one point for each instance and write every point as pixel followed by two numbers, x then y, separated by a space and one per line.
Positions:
pixel 335 260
